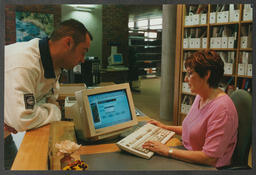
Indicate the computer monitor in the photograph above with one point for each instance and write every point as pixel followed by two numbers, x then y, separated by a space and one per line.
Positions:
pixel 115 59
pixel 103 112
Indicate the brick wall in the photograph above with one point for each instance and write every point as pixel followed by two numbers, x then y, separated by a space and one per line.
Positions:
pixel 115 30
pixel 10 26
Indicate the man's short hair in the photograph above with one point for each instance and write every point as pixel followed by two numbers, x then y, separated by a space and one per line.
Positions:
pixel 72 28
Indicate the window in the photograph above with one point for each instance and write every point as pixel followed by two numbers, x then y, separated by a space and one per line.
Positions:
pixel 131 24
pixel 142 24
pixel 148 23
pixel 154 23
pixel 151 36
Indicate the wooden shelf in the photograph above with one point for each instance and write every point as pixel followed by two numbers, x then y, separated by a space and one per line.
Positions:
pixel 182 12
pixel 224 24
pixel 246 22
pixel 188 49
pixel 229 75
pixel 246 49
pixel 187 93
pixel 244 76
pixel 217 49
pixel 194 26
pixel 224 49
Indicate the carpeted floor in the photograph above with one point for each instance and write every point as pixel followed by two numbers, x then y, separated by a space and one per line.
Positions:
pixel 148 99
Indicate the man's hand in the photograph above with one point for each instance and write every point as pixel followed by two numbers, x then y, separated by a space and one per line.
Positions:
pixel 10 129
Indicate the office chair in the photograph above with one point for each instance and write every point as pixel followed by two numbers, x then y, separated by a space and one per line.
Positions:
pixel 243 103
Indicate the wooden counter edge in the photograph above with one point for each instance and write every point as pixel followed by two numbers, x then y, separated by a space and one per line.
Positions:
pixel 33 151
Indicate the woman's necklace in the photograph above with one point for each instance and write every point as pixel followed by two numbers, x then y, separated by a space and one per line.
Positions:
pixel 211 97
pixel 202 104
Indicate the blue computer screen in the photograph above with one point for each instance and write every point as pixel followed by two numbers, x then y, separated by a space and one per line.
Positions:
pixel 109 108
pixel 118 58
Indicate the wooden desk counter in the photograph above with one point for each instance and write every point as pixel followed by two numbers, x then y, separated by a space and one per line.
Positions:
pixel 38 145
pixel 33 151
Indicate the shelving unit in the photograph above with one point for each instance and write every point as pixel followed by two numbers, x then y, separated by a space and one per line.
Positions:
pixel 225 35
pixel 147 52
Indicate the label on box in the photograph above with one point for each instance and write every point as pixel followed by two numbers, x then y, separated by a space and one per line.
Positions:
pixel 219 17
pixel 188 108
pixel 234 15
pixel 184 87
pixel 245 57
pixel 218 42
pixel 185 43
pixel 187 20
pixel 224 42
pixel 212 17
pixel 225 16
pixel 203 18
pixel 228 68
pixel 197 42
pixel 204 42
pixel 183 108
pixel 244 41
pixel 240 69
pixel 212 42
pixel 191 43
pixel 231 42
pixel 249 70
pixel 196 19
pixel 191 20
pixel 247 15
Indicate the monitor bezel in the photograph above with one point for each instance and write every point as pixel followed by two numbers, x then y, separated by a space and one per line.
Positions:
pixel 106 130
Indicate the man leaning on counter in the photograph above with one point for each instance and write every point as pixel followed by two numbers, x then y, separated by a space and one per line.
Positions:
pixel 32 70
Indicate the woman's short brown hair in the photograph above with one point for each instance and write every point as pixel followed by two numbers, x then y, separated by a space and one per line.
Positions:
pixel 207 60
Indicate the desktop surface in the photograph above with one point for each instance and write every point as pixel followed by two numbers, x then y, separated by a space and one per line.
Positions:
pixel 117 68
pixel 122 160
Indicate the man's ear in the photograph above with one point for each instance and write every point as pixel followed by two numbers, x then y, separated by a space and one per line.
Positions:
pixel 68 42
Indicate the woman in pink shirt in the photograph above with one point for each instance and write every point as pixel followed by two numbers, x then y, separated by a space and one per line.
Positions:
pixel 209 131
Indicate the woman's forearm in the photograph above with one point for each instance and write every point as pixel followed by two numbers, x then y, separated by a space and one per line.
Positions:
pixel 176 129
pixel 193 157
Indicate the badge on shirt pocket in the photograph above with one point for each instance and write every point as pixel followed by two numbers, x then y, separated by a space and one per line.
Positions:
pixel 29 100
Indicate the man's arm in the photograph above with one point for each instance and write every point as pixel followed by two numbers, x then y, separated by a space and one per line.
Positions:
pixel 22 111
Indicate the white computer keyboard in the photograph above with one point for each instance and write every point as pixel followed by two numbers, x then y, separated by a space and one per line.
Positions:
pixel 133 142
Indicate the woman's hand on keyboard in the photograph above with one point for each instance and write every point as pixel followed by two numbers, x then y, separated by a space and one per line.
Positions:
pixel 156 147
pixel 157 123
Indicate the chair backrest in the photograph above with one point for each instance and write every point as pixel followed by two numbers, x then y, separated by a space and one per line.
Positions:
pixel 243 102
